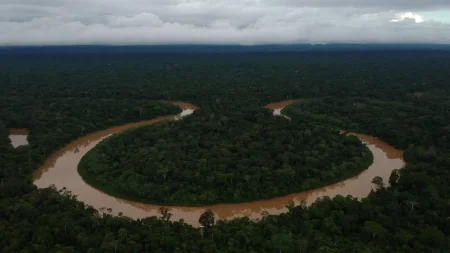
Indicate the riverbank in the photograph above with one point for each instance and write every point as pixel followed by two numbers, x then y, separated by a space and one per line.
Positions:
pixel 61 170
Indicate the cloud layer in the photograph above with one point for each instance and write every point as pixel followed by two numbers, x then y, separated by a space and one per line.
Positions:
pixel 117 22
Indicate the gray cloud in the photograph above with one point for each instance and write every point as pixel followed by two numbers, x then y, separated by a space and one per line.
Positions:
pixel 53 22
pixel 374 4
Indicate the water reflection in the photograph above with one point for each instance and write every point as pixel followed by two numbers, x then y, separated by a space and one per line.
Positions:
pixel 61 170
pixel 18 137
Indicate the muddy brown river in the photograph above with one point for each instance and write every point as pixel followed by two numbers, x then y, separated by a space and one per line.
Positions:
pixel 60 170
pixel 18 137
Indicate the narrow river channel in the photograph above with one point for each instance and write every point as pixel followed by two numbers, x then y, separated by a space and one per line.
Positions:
pixel 60 170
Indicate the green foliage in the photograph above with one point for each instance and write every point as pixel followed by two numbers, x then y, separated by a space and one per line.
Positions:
pixel 53 95
pixel 378 182
pixel 220 156
pixel 399 123
pixel 207 219
pixel 375 229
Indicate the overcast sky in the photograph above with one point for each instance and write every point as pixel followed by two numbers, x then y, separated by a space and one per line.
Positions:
pixel 248 22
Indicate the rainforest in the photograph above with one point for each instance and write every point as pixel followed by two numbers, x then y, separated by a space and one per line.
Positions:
pixel 220 147
pixel 213 157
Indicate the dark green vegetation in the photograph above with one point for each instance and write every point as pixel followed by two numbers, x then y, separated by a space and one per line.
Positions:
pixel 410 215
pixel 379 118
pixel 222 157
pixel 56 122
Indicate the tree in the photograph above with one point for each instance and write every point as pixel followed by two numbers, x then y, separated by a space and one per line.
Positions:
pixel 163 172
pixel 395 176
pixel 411 204
pixel 302 245
pixel 165 215
pixel 290 206
pixel 374 229
pixel 264 214
pixel 378 182
pixel 207 219
pixel 282 242
pixel 433 237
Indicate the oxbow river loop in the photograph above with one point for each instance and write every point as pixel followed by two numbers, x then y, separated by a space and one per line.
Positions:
pixel 60 170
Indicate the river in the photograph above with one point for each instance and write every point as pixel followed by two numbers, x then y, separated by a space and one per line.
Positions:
pixel 60 170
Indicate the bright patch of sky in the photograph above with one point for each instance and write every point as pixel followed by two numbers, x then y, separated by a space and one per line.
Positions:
pixel 407 15
pixel 440 16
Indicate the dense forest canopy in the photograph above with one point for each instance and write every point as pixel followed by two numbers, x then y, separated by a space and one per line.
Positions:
pixel 409 215
pixel 56 122
pixel 222 157
pixel 380 118
pixel 256 78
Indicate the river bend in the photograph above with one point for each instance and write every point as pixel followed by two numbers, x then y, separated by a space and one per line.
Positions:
pixel 60 170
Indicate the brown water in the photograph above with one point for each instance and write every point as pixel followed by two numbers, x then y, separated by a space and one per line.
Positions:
pixel 277 107
pixel 61 171
pixel 18 137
